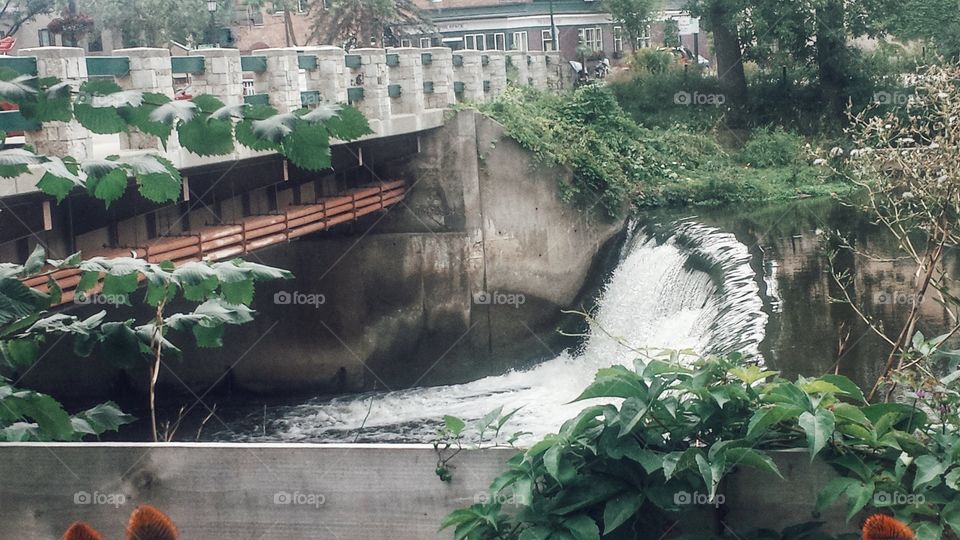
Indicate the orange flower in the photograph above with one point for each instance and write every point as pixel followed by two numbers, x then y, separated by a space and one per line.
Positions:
pixel 881 527
pixel 81 531
pixel 148 523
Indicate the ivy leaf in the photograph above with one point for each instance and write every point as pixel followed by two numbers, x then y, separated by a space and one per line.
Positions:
pixel 619 509
pixel 308 147
pixel 206 137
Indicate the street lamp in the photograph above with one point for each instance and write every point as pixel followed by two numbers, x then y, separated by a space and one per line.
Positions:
pixel 212 31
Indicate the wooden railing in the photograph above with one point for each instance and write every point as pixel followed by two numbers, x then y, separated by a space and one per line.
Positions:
pixel 219 242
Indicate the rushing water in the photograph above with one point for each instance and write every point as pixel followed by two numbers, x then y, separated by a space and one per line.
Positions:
pixel 688 286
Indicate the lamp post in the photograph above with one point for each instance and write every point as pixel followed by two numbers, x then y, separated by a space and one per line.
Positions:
pixel 212 31
pixel 553 30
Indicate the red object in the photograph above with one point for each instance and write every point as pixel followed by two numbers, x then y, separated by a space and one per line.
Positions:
pixel 881 527
pixel 81 531
pixel 148 523
pixel 7 106
pixel 7 44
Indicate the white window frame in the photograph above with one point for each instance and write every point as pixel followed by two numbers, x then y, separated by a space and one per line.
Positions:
pixel 482 41
pixel 428 41
pixel 546 40
pixel 643 41
pixel 522 39
pixel 591 37
pixel 500 41
pixel 50 39
pixel 617 39
pixel 406 42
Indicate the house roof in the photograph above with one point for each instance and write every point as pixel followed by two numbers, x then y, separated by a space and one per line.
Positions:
pixel 536 7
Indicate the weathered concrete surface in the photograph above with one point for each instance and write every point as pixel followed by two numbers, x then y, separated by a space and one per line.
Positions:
pixel 294 491
pixel 466 278
pixel 214 491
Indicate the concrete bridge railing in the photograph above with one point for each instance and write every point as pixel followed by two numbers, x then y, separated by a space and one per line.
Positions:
pixel 401 90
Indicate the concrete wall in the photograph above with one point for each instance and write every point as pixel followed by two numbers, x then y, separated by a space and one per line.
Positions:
pixel 356 492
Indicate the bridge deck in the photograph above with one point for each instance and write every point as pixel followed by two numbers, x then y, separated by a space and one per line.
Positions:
pixel 219 242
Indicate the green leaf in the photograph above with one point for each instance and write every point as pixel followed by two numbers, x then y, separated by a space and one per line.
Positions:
pixel 100 120
pixel 240 292
pixel 750 458
pixel 20 352
pixel 206 137
pixel 104 417
pixel 110 187
pixel 453 424
pixel 535 533
pixel 951 516
pixel 858 496
pixel 819 428
pixel 619 509
pixel 929 468
pixel 768 416
pixel 616 381
pixel 832 491
pixel 120 344
pixel 307 146
pixel 160 187
pixel 55 186
pixel 582 527
pixel 18 301
pixel 846 386
pixel 208 337
pixel 349 124
pixel 35 261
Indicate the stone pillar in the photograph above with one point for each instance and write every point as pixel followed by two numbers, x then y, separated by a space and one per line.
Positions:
pixel 222 76
pixel 470 73
pixel 371 75
pixel 281 79
pixel 439 72
pixel 517 72
pixel 537 67
pixel 150 71
pixel 329 76
pixel 61 138
pixel 407 73
pixel 554 66
pixel 496 72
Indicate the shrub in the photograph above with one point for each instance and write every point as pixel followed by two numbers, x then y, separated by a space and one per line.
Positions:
pixel 772 148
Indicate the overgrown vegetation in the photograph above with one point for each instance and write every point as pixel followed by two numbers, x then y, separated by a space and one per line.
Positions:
pixel 617 164
pixel 682 426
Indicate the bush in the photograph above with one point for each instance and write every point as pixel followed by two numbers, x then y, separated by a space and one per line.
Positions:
pixel 772 148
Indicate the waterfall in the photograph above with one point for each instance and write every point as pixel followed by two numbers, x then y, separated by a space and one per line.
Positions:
pixel 688 286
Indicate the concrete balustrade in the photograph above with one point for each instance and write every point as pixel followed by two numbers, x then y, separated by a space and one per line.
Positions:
pixel 438 75
pixel 60 138
pixel 329 78
pixel 371 75
pixel 518 72
pixel 537 68
pixel 468 71
pixel 281 80
pixel 221 77
pixel 405 94
pixel 405 88
pixel 495 72
pixel 150 71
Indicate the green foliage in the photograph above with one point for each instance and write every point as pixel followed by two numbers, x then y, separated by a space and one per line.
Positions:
pixel 772 148
pixel 682 426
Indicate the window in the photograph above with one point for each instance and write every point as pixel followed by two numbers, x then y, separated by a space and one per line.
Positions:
pixel 406 42
pixel 500 42
pixel 254 16
pixel 301 7
pixel 643 42
pixel 546 40
pixel 475 41
pixel 617 39
pixel 592 38
pixel 520 42
pixel 44 38
pixel 425 42
pixel 95 43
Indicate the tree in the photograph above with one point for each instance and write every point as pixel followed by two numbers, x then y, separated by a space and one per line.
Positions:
pixel 723 18
pixel 634 16
pixel 671 33
pixel 153 23
pixel 937 22
pixel 15 13
pixel 362 23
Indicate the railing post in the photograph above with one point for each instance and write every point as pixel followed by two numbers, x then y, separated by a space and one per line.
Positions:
pixel 407 74
pixel 328 78
pixel 61 138
pixel 470 73
pixel 496 73
pixel 150 71
pixel 538 69
pixel 281 79
pixel 371 76
pixel 517 69
pixel 439 72
pixel 222 75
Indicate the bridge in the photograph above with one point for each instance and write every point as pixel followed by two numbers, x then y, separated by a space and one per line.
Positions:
pixel 246 200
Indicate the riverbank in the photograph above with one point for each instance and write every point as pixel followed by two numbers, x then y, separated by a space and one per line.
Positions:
pixel 619 164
